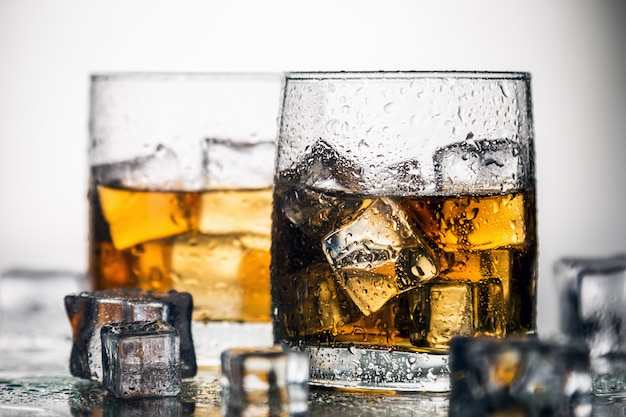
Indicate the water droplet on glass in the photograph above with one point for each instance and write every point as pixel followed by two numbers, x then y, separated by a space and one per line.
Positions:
pixel 389 107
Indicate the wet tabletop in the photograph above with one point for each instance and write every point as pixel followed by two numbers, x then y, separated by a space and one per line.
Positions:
pixel 35 346
pixel 38 383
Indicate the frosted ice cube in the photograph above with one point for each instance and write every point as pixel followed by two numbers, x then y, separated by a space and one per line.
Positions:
pixel 158 171
pixel 264 381
pixel 236 211
pixel 317 213
pixel 516 377
pixel 378 256
pixel 485 165
pixel 325 308
pixel 441 310
pixel 239 268
pixel 231 164
pixel 475 266
pixel 323 167
pixel 401 177
pixel 88 312
pixel 490 312
pixel 141 359
pixel 592 295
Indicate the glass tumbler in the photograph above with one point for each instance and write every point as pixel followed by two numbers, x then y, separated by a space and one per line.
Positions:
pixel 404 215
pixel 180 195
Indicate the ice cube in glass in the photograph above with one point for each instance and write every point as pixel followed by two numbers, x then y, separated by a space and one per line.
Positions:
pixel 485 165
pixel 378 256
pixel 225 161
pixel 441 310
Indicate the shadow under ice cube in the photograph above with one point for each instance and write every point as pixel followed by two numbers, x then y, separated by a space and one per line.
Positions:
pixel 141 359
pixel 140 407
pixel 264 381
pixel 378 256
pixel 518 377
pixel 88 312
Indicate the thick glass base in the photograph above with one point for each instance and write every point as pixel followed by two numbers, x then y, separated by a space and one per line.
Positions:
pixel 608 375
pixel 212 338
pixel 378 370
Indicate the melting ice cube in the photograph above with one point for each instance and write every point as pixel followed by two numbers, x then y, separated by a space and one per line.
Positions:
pixel 264 381
pixel 239 268
pixel 159 171
pixel 313 195
pixel 485 165
pixel 89 312
pixel 518 377
pixel 378 256
pixel 230 164
pixel 401 177
pixel 325 308
pixel 317 213
pixel 325 168
pixel 137 216
pixel 441 310
pixel 141 359
pixel 592 301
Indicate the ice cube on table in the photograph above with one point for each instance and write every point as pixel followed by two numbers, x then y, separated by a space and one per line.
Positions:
pixel 441 310
pixel 88 312
pixel 141 359
pixel 518 377
pixel 592 296
pixel 592 293
pixel 227 163
pixel 264 381
pixel 487 165
pixel 378 256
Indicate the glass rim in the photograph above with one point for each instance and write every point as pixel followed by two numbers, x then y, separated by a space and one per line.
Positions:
pixel 408 75
pixel 175 75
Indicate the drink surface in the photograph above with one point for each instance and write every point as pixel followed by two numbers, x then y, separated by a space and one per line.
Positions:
pixel 213 244
pixel 407 273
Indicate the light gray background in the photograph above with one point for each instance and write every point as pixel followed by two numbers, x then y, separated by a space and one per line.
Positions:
pixel 573 48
